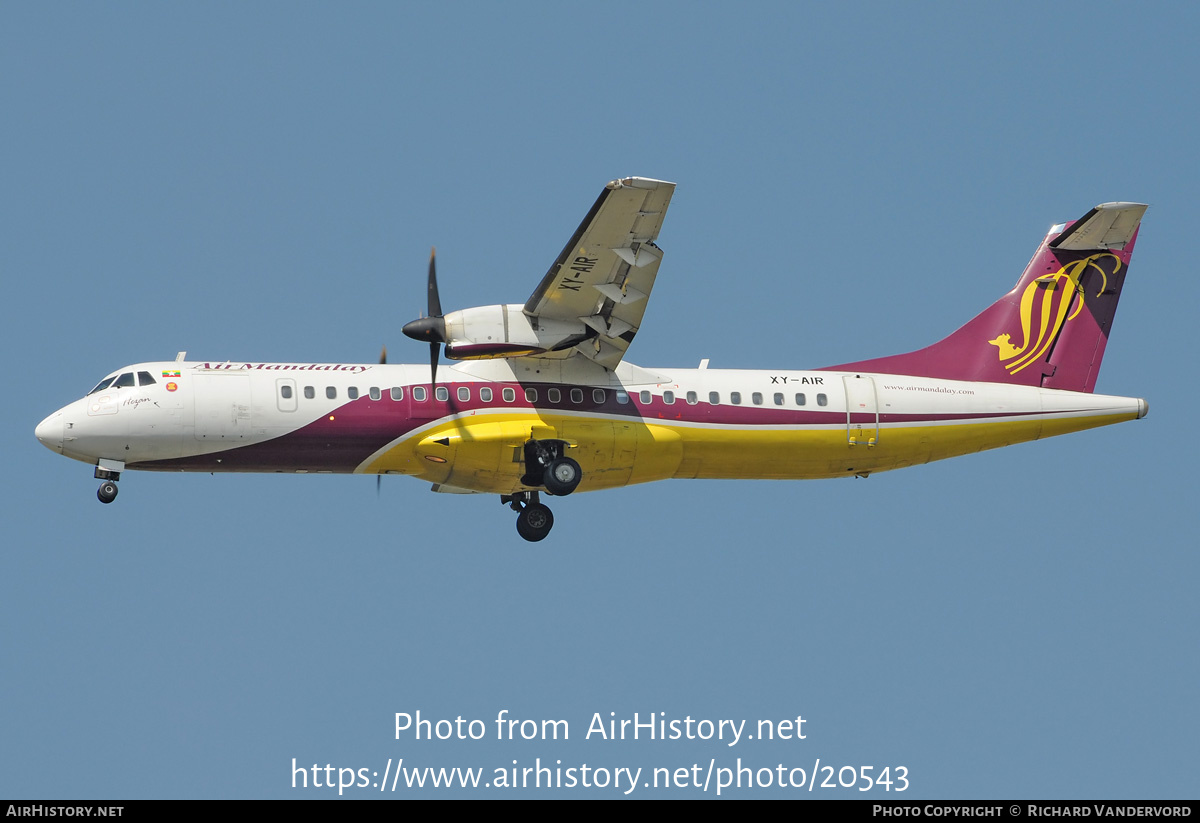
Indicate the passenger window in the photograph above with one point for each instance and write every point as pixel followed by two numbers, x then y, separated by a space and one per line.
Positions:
pixel 485 394
pixel 778 398
pixel 644 396
pixel 419 393
pixel 144 379
pixel 669 397
pixel 124 381
pixel 822 400
pixel 331 392
pixel 309 392
pixel 597 395
pixel 441 393
pixel 509 395
pixel 714 397
pixel 464 394
pixel 576 395
pixel 622 397
pixel 735 397
pixel 553 395
pixel 531 395
pixel 285 392
pixel 375 393
pixel 756 398
pixel 352 392
pixel 692 398
pixel 398 393
pixel 800 398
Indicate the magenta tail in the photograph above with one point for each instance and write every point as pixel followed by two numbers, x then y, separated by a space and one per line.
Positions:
pixel 1051 330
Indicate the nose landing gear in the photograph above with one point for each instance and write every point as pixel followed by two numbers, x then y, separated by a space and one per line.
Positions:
pixel 107 491
pixel 110 474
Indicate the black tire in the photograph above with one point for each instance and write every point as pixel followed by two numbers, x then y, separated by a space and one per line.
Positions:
pixel 534 522
pixel 562 476
pixel 107 491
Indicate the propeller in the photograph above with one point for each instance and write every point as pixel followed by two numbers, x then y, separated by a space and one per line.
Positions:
pixel 432 327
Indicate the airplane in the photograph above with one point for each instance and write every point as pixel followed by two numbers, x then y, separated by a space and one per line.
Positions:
pixel 540 399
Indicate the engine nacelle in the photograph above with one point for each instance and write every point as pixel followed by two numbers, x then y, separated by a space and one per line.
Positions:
pixel 486 332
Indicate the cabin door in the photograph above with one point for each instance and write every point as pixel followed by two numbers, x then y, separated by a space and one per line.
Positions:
pixel 862 410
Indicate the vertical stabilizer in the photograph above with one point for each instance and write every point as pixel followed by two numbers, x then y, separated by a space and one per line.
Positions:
pixel 1052 328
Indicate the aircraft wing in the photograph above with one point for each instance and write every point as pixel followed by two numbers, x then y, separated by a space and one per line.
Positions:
pixel 604 275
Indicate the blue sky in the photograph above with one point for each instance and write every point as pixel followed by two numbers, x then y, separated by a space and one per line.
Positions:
pixel 264 181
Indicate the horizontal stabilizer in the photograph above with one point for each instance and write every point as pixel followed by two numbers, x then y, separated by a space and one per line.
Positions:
pixel 1108 226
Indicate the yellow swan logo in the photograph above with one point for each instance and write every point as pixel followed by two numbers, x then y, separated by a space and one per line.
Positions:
pixel 1057 293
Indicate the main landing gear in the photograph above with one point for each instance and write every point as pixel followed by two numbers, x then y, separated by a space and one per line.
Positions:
pixel 534 519
pixel 108 489
pixel 548 467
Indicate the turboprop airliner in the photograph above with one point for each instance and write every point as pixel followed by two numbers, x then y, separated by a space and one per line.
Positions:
pixel 541 401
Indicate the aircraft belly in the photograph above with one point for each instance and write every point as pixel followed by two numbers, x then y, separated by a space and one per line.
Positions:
pixel 824 452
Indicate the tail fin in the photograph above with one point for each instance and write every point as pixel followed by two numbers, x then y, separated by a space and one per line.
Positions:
pixel 1051 329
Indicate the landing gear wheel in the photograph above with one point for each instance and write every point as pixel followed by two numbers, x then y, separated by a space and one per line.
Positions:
pixel 107 491
pixel 534 522
pixel 562 476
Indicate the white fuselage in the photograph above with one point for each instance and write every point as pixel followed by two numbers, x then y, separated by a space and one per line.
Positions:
pixel 626 426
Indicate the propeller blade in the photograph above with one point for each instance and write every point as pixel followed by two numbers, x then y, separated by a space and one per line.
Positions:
pixel 433 327
pixel 383 357
pixel 378 483
pixel 435 310
pixel 435 302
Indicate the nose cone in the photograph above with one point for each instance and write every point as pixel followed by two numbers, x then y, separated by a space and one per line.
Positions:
pixel 50 432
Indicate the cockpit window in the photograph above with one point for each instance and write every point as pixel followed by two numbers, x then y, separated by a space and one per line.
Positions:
pixel 103 384
pixel 125 381
pixel 144 379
